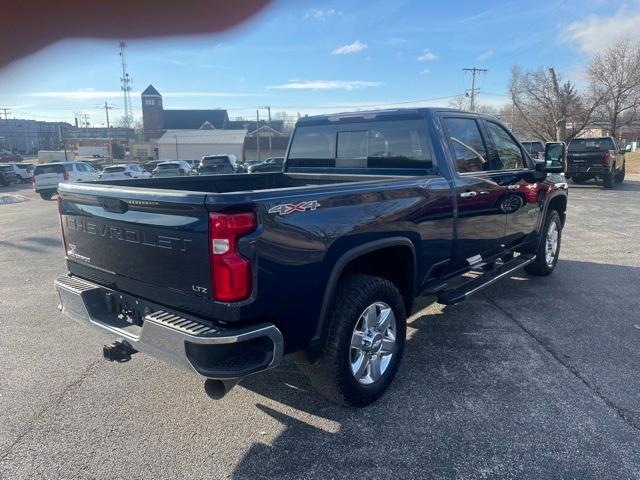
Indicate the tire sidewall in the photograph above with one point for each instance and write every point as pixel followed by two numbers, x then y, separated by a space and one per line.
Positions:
pixel 552 217
pixel 383 291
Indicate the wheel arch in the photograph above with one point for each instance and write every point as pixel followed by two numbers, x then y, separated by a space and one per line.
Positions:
pixel 354 259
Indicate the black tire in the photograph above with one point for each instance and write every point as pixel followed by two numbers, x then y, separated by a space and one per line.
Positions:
pixel 607 180
pixel 619 178
pixel 540 267
pixel 579 179
pixel 332 376
pixel 46 195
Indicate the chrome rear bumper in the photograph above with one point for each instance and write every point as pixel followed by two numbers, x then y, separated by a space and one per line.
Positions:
pixel 183 340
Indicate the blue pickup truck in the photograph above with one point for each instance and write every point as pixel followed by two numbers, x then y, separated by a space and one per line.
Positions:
pixel 224 275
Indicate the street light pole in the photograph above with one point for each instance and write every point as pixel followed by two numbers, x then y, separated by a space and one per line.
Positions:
pixel 176 137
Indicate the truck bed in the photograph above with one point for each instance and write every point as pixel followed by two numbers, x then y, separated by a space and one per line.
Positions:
pixel 236 183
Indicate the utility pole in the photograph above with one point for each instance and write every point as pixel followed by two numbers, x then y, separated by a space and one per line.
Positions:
pixel 86 119
pixel 474 71
pixel 6 111
pixel 176 137
pixel 258 134
pixel 108 107
pixel 270 131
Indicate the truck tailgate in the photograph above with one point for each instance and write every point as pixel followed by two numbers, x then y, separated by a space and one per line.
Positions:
pixel 157 238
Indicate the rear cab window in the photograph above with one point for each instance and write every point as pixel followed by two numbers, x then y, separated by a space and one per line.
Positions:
pixel 591 144
pixel 399 145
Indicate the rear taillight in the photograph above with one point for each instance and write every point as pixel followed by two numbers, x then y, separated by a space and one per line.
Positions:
pixel 607 158
pixel 127 174
pixel 64 241
pixel 65 174
pixel 230 271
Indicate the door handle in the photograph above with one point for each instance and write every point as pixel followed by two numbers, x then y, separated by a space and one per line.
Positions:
pixel 468 194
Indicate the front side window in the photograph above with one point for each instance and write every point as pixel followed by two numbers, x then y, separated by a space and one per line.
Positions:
pixel 468 146
pixel 508 153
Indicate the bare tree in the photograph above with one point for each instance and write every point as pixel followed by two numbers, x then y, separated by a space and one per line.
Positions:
pixel 462 102
pixel 547 107
pixel 615 74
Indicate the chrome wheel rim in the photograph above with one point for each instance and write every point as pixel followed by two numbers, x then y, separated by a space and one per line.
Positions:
pixel 551 244
pixel 373 343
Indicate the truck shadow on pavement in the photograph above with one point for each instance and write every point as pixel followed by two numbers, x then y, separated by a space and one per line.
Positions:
pixel 477 391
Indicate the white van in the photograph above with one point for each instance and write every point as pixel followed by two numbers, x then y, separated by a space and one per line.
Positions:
pixel 47 176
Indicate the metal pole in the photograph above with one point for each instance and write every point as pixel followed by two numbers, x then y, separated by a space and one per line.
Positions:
pixel 176 137
pixel 109 147
pixel 269 110
pixel 258 134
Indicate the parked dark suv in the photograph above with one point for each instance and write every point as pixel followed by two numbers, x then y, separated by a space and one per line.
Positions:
pixel 595 158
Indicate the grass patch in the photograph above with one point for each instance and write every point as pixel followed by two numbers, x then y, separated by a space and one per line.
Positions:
pixel 632 162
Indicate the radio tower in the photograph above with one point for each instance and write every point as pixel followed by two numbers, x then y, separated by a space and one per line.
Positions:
pixel 125 86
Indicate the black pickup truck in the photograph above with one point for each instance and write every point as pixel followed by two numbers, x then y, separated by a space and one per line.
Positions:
pixel 223 275
pixel 595 158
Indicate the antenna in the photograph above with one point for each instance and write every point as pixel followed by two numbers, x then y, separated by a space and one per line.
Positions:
pixel 125 86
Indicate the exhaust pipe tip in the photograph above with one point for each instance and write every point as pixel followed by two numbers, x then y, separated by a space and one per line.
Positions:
pixel 217 389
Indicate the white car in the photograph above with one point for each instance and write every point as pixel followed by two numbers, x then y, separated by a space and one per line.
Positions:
pixel 24 171
pixel 123 172
pixel 173 168
pixel 47 176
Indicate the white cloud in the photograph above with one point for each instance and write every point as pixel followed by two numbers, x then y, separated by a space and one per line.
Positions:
pixel 424 72
pixel 354 47
pixel 486 54
pixel 596 32
pixel 325 85
pixel 322 15
pixel 427 56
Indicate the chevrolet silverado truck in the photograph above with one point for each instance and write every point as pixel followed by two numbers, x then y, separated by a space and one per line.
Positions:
pixel 224 275
pixel 595 158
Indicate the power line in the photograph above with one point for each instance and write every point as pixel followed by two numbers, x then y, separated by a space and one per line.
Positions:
pixel 474 71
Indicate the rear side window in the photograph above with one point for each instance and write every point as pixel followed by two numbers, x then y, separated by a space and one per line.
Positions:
pixel 6 168
pixel 468 145
pixel 43 169
pixel 393 144
pixel 533 147
pixel 591 144
pixel 113 169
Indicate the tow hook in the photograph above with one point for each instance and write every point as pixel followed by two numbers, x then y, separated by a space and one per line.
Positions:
pixel 217 389
pixel 118 352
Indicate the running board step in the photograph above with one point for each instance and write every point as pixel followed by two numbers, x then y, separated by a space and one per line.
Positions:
pixel 457 295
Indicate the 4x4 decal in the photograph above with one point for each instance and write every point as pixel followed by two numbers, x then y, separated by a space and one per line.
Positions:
pixel 287 208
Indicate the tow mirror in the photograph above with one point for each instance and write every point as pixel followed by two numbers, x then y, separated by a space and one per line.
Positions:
pixel 555 157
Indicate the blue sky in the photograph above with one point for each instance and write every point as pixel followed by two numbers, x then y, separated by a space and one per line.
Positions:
pixel 310 57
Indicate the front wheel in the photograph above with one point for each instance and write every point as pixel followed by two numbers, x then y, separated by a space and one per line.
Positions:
pixel 46 195
pixel 548 248
pixel 364 342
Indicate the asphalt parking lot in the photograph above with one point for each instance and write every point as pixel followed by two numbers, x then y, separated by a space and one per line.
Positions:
pixel 533 378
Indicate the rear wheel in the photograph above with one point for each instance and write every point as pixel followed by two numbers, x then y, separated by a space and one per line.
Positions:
pixel 548 248
pixel 579 179
pixel 608 180
pixel 46 195
pixel 620 175
pixel 364 343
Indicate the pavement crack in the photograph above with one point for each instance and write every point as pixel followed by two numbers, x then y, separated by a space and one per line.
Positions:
pixel 86 373
pixel 619 412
